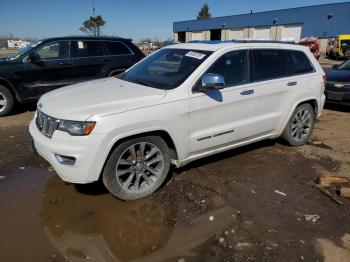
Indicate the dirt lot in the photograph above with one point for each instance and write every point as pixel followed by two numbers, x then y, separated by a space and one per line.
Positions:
pixel 222 208
pixel 247 204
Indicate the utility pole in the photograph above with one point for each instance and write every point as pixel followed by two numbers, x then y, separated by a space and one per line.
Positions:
pixel 93 7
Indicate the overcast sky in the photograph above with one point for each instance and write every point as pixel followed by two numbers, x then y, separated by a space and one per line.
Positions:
pixel 129 18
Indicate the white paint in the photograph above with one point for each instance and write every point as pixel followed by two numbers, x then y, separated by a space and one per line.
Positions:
pixel 122 109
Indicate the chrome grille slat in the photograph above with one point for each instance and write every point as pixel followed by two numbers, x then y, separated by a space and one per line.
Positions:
pixel 46 124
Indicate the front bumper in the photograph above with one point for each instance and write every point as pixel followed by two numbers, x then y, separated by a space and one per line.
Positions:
pixel 87 151
pixel 338 97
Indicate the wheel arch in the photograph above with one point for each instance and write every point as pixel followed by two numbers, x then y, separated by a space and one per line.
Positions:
pixel 309 100
pixel 7 84
pixel 164 134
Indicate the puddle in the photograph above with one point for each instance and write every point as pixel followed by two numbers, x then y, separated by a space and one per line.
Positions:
pixel 50 220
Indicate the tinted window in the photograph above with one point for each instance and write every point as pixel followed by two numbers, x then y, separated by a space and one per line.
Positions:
pixel 233 66
pixel 298 63
pixel 269 64
pixel 54 50
pixel 167 68
pixel 117 48
pixel 87 48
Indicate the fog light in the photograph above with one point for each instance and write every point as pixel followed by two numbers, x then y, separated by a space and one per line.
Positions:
pixel 65 160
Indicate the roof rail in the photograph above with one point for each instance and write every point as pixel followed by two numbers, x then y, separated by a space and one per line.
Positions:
pixel 241 41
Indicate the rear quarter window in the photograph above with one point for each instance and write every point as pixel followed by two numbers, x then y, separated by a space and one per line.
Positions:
pixel 117 48
pixel 298 63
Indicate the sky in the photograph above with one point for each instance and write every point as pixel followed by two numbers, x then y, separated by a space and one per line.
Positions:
pixel 134 19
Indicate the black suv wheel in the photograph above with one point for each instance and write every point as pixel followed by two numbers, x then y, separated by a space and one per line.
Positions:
pixel 6 101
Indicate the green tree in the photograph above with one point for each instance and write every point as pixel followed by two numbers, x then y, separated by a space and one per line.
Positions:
pixel 204 12
pixel 93 25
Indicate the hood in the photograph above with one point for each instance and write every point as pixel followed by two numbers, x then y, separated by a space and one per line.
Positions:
pixel 99 97
pixel 338 75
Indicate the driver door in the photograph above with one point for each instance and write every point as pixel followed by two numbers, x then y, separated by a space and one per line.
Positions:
pixel 221 117
pixel 52 68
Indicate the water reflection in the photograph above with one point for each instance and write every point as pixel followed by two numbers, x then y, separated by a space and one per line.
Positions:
pixel 100 227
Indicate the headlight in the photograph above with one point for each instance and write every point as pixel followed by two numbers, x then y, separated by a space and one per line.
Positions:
pixel 76 128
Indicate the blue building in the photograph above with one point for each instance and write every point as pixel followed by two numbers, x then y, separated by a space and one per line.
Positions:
pixel 321 21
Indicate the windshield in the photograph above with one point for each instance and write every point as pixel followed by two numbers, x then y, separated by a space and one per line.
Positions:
pixel 166 69
pixel 345 44
pixel 345 65
pixel 22 51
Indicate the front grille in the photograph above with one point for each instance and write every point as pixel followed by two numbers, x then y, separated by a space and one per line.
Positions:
pixel 46 124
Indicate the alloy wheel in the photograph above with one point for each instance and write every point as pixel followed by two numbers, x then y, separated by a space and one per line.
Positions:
pixel 139 166
pixel 3 102
pixel 301 125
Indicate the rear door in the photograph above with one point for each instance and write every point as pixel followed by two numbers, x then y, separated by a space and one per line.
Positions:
pixel 53 70
pixel 272 89
pixel 121 57
pixel 90 59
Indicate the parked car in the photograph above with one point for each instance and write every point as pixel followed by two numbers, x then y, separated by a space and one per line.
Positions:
pixel 314 46
pixel 339 48
pixel 338 84
pixel 56 62
pixel 182 103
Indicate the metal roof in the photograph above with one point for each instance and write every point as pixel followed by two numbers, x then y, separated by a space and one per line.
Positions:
pixel 326 20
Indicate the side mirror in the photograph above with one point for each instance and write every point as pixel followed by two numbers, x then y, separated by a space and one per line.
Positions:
pixel 34 58
pixel 335 66
pixel 212 82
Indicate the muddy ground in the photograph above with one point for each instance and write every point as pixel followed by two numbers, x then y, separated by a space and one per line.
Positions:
pixel 222 208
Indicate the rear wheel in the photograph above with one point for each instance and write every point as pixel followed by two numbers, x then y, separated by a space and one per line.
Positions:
pixel 6 101
pixel 136 168
pixel 300 126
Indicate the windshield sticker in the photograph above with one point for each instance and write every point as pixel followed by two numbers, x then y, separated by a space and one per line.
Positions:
pixel 195 55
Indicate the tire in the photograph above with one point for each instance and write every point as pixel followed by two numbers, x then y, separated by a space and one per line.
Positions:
pixel 7 101
pixel 130 175
pixel 300 126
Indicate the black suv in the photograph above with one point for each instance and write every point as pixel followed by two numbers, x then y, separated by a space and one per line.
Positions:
pixel 61 61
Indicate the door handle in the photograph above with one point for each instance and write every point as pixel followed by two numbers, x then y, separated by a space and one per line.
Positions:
pixel 65 63
pixel 294 83
pixel 247 92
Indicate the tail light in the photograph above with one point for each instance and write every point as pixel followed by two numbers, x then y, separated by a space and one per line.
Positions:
pixel 325 78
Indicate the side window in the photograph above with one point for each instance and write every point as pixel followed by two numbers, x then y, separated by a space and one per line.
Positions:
pixel 117 48
pixel 269 64
pixel 233 66
pixel 87 48
pixel 54 50
pixel 298 63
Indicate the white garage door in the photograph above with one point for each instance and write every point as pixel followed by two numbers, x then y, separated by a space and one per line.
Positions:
pixel 262 33
pixel 236 34
pixel 197 35
pixel 291 33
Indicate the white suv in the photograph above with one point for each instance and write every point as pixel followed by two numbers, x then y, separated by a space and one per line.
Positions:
pixel 182 103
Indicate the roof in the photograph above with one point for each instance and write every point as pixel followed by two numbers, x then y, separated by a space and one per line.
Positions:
pixel 318 20
pixel 78 37
pixel 216 45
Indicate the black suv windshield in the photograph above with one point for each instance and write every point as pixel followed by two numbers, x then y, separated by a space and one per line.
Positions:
pixel 22 51
pixel 166 69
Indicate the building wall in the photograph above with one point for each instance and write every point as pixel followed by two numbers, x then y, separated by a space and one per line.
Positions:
pixel 319 21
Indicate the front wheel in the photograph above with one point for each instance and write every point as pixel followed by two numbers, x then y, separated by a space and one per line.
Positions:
pixel 136 168
pixel 300 126
pixel 6 101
